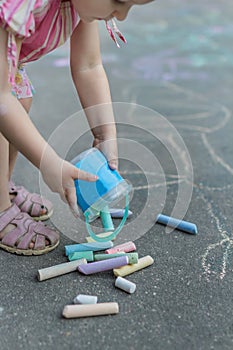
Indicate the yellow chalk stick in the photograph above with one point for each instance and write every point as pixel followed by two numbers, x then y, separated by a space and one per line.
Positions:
pixel 103 234
pixel 73 311
pixel 128 269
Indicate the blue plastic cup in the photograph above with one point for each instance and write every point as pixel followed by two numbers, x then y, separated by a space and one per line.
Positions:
pixel 110 187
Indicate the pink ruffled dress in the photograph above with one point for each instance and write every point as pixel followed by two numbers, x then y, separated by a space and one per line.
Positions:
pixel 43 25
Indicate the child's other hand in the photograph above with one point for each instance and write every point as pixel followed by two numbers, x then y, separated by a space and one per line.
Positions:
pixel 109 148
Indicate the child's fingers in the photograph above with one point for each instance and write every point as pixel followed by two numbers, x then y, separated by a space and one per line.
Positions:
pixel 70 191
pixel 113 164
pixel 109 149
pixel 71 199
pixel 83 175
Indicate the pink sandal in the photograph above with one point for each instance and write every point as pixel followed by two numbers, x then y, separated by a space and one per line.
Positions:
pixel 30 203
pixel 26 231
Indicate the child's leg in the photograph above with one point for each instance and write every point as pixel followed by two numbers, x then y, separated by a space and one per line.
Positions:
pixel 13 224
pixel 6 229
pixel 4 193
pixel 52 237
pixel 31 203
pixel 4 166
pixel 26 103
pixel 23 90
pixel 43 212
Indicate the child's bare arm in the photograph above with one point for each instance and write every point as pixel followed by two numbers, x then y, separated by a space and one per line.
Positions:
pixel 93 89
pixel 14 121
pixel 17 127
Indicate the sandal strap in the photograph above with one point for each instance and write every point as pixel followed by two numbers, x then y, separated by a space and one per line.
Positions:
pixel 20 195
pixel 8 215
pixel 40 232
pixel 27 237
pixel 30 203
pixel 23 202
pixel 46 231
pixel 21 222
pixel 40 242
pixel 26 230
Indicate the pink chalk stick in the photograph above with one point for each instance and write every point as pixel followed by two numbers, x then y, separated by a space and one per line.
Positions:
pixel 125 247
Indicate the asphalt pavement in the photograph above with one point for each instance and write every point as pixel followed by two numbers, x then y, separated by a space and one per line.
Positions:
pixel 172 88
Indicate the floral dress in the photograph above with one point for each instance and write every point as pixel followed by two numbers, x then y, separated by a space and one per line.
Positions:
pixel 43 25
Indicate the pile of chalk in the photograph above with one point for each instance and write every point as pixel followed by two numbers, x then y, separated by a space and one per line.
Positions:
pixel 94 257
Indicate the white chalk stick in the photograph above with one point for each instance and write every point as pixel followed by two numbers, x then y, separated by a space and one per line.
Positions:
pixel 125 285
pixel 58 270
pixel 74 311
pixel 85 299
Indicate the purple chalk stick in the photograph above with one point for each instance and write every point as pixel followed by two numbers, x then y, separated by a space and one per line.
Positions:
pixel 103 265
pixel 119 213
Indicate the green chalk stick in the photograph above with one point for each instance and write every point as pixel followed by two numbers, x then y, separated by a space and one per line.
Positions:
pixel 133 257
pixel 106 219
pixel 88 255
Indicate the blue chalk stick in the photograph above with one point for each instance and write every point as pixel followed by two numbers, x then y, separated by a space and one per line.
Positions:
pixel 82 247
pixel 176 223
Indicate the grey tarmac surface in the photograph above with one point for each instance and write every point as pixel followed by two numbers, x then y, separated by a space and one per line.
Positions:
pixel 179 63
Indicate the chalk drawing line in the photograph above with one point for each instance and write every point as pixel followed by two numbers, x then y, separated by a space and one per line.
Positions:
pixel 207 112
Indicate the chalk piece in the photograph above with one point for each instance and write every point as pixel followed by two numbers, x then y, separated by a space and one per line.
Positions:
pixel 103 265
pixel 74 311
pixel 106 220
pixel 82 247
pixel 101 235
pixel 128 269
pixel 85 299
pixel 133 257
pixel 58 270
pixel 119 213
pixel 125 247
pixel 176 223
pixel 125 285
pixel 88 255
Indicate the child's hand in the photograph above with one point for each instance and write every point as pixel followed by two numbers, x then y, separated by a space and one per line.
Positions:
pixel 109 149
pixel 69 174
pixel 59 175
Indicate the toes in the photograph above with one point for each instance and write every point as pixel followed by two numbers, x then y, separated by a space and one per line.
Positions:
pixel 32 243
pixel 43 210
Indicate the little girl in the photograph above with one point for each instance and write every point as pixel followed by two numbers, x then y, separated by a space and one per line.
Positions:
pixel 30 29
